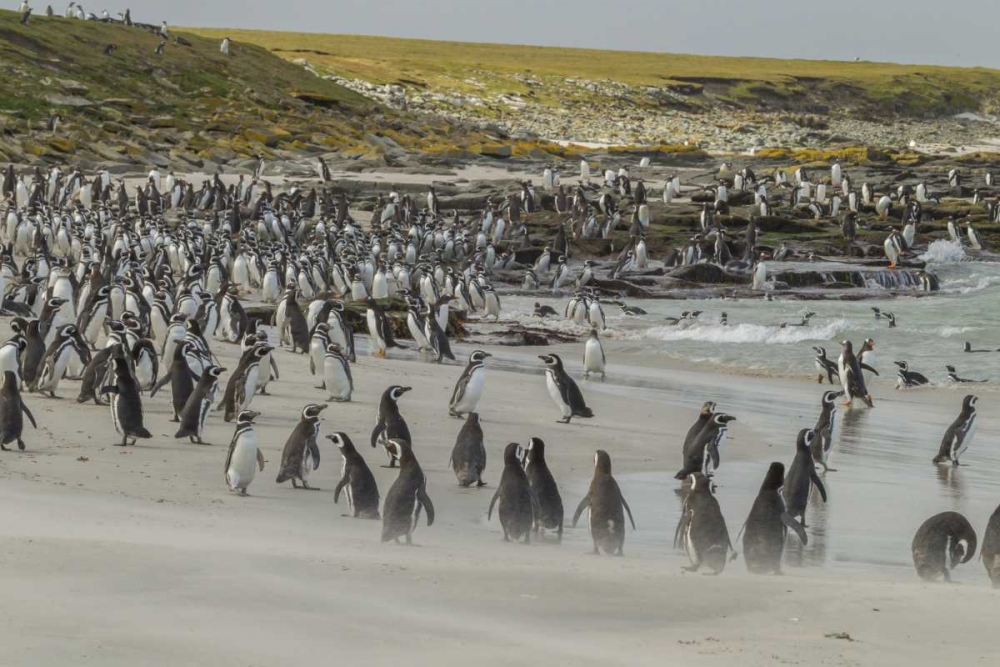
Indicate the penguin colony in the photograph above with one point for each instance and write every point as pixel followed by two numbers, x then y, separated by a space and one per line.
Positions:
pixel 108 291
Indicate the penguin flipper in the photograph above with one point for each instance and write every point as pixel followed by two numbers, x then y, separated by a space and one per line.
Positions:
pixel 31 417
pixel 274 367
pixel 109 389
pixel 680 527
pixel 260 460
pixel 795 527
pixel 866 367
pixel 159 385
pixel 314 450
pixel 425 500
pixel 377 433
pixel 628 510
pixel 340 487
pixel 819 484
pixel 584 504
pixel 493 501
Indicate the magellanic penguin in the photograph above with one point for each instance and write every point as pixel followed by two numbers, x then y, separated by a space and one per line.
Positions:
pixel 852 379
pixel 244 455
pixel 702 451
pixel 563 390
pixel 243 382
pixel 301 453
pixel 469 388
pixel 826 430
pixel 66 344
pixel 126 403
pixel 801 478
pixel 768 524
pixel 380 329
pixel 468 456
pixel 199 403
pixel 93 376
pixel 12 411
pixel 607 508
pixel 337 375
pixel 180 377
pixel 824 366
pixel 906 378
pixel 702 531
pixel 959 435
pixel 941 543
pixel 990 552
pixel 389 423
pixel 517 504
pixel 407 496
pixel 549 511
pixel 356 480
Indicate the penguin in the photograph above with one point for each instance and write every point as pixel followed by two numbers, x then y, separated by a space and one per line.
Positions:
pixel 953 374
pixel 407 496
pixel 890 318
pixel 767 526
pixel 436 337
pixel 356 480
pixel 243 382
pixel 180 377
pixel 379 329
pixel 549 506
pixel 468 456
pixel 942 543
pixel 593 355
pixel 126 403
pixel 907 378
pixel 295 328
pixel 826 430
pixel 145 363
pixel 12 412
pixel 337 375
pixel 195 411
pixel 93 376
pixel 469 388
pixel 606 503
pixel 990 553
pixel 244 456
pixel 66 345
pixel 851 377
pixel 563 390
pixel 389 423
pixel 959 435
pixel 702 451
pixel 301 453
pixel 702 531
pixel 826 367
pixel 801 478
pixel 517 506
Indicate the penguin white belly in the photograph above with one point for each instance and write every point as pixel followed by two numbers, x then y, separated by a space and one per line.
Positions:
pixel 416 333
pixel 317 352
pixel 114 414
pixel 264 372
pixel 337 382
pixel 377 343
pixel 243 464
pixel 473 392
pixel 556 396
pixel 689 546
pixel 307 465
pixel 271 289
pixel 966 440
pixel 57 370
pixel 250 386
pixel 144 372
pixel 593 357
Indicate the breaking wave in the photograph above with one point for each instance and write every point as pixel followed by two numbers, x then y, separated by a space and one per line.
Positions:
pixel 747 333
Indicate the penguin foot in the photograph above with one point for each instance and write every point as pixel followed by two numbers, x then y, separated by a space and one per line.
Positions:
pixel 563 421
pixel 20 444
pixel 4 448
pixel 480 483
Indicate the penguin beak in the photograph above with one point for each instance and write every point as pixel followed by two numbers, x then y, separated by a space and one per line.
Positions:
pixel 402 390
pixel 322 406
pixel 487 354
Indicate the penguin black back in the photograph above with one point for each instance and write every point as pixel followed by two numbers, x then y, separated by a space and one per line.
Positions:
pixel 702 529
pixel 389 423
pixel 990 553
pixel 407 496
pixel 607 508
pixel 356 479
pixel 12 411
pixel 549 515
pixel 801 477
pixel 941 543
pixel 517 505
pixel 767 525
pixel 468 456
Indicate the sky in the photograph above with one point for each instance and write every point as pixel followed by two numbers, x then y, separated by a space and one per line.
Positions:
pixel 941 32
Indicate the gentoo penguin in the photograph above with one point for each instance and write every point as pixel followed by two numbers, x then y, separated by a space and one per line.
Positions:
pixel 195 411
pixel 607 508
pixel 593 355
pixel 941 543
pixel 702 531
pixel 825 366
pixel 851 377
pixel 826 430
pixel 768 524
pixel 244 456
pixel 379 329
pixel 517 504
pixel 301 453
pixel 389 423
pixel 468 456
pixel 802 477
pixel 356 480
pixel 12 411
pixel 243 382
pixel 990 553
pixel 959 435
pixel 126 403
pixel 337 375
pixel 702 452
pixel 406 497
pixel 180 377
pixel 563 390
pixel 549 510
pixel 469 388
pixel 907 378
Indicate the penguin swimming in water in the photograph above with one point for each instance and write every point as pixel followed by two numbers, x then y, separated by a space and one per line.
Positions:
pixel 244 456
pixel 941 543
pixel 12 412
pixel 607 508
pixel 953 377
pixel 852 378
pixel 768 524
pixel 469 388
pixel 959 435
pixel 825 366
pixel 701 452
pixel 907 378
pixel 890 318
pixel 702 531
pixel 468 456
pixel 517 505
pixel 407 496
pixel 389 423
pixel 801 478
pixel 990 553
pixel 563 390
pixel 356 480
pixel 826 430
pixel 549 511
pixel 126 403
pixel 195 412
pixel 301 453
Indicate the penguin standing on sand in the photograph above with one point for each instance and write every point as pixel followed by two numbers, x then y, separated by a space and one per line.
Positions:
pixel 356 480
pixel 195 411
pixel 549 506
pixel 469 388
pixel 468 456
pixel 941 543
pixel 126 403
pixel 337 375
pixel 593 355
pixel 407 496
pixel 243 382
pixel 801 478
pixel 990 552
pixel 959 435
pixel 66 345
pixel 702 452
pixel 244 455
pixel 379 329
pixel 12 411
pixel 768 524
pixel 824 366
pixel 702 531
pixel 826 430
pixel 436 337
pixel 180 377
pixel 389 423
pixel 301 453
pixel 607 508
pixel 517 504
pixel 563 390
pixel 851 377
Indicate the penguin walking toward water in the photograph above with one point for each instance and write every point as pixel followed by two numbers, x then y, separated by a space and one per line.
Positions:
pixel 301 453
pixel 195 411
pixel 702 531
pixel 549 506
pixel 563 390
pixel 768 524
pixel 337 375
pixel 942 543
pixel 517 509
pixel 356 480
pixel 126 403
pixel 801 478
pixel 826 430
pixel 469 388
pixel 702 449
pixel 468 456
pixel 607 508
pixel 244 456
pixel 407 496
pixel 990 552
pixel 593 355
pixel 389 422
pixel 12 412
pixel 826 367
pixel 906 378
pixel 851 377
pixel 959 435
